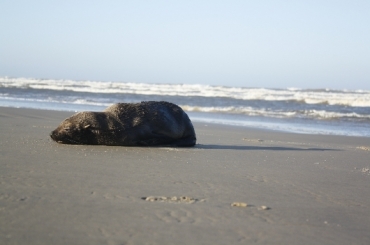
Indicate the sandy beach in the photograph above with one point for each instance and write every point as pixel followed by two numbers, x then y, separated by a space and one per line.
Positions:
pixel 238 185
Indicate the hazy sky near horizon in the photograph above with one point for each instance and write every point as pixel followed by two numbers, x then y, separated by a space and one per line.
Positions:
pixel 272 44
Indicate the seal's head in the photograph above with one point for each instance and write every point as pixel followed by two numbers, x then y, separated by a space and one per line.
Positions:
pixel 73 131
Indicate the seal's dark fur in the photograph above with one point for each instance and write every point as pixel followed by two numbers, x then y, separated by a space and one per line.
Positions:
pixel 142 124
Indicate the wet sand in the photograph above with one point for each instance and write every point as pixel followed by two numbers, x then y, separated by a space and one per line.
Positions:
pixel 236 186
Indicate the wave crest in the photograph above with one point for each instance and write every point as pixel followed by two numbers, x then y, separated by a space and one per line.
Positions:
pixel 249 111
pixel 307 96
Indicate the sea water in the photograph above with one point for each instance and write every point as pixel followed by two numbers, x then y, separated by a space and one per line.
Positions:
pixel 312 111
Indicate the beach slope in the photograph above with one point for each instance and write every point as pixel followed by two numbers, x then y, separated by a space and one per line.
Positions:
pixel 236 186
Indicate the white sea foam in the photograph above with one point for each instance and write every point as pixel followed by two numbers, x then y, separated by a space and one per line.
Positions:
pixel 250 111
pixel 324 96
pixel 50 100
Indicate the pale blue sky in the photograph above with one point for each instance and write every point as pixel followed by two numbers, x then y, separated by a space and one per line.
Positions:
pixel 273 44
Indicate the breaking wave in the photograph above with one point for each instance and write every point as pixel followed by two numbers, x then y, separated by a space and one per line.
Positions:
pixel 360 98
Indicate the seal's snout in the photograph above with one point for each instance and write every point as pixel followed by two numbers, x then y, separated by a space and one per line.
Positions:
pixel 53 136
pixel 56 137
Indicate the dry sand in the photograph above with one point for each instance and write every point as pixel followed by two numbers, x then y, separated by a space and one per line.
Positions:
pixel 237 186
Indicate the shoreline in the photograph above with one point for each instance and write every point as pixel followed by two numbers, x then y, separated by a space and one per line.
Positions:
pixel 256 123
pixel 315 188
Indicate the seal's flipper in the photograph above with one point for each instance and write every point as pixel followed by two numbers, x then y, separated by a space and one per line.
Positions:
pixel 155 142
pixel 162 140
pixel 184 142
pixel 155 139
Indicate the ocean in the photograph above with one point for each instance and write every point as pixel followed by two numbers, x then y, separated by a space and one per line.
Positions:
pixel 309 111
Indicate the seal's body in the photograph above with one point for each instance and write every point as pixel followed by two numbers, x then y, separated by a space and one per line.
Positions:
pixel 142 124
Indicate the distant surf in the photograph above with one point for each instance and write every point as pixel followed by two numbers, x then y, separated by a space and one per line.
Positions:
pixel 315 111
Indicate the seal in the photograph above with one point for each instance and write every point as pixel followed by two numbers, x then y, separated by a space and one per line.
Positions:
pixel 148 123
